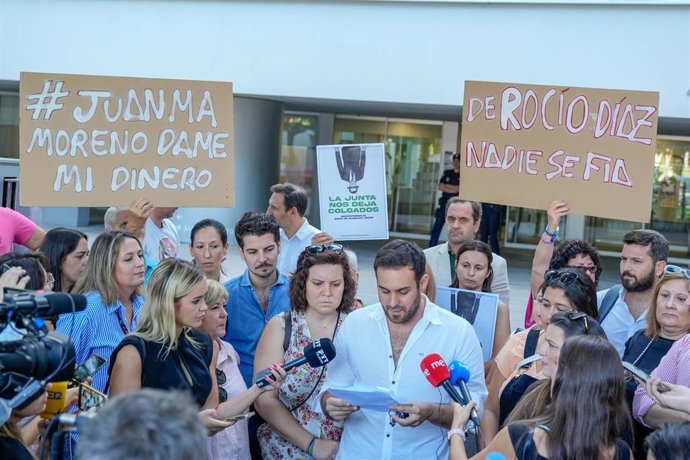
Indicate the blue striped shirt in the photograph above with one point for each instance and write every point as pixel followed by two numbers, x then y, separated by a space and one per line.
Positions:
pixel 96 330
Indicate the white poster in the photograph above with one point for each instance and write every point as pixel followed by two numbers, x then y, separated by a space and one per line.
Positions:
pixel 352 191
pixel 478 308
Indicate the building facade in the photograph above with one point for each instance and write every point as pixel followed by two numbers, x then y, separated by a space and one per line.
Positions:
pixel 309 73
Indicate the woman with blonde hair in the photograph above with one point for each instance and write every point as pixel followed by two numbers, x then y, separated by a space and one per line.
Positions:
pixel 668 320
pixel 232 442
pixel 112 283
pixel 166 351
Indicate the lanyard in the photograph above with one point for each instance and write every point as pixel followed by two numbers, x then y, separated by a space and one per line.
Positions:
pixel 123 326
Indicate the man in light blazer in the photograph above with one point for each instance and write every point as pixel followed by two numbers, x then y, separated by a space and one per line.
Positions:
pixel 462 224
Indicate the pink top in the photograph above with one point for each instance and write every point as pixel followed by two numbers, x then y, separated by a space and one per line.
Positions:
pixel 232 442
pixel 14 228
pixel 673 368
pixel 528 313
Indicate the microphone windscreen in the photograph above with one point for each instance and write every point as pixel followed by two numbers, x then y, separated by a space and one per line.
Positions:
pixel 60 303
pixel 57 398
pixel 458 372
pixel 319 352
pixel 435 369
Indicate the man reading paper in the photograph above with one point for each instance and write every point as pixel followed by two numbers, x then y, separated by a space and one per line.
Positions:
pixel 382 345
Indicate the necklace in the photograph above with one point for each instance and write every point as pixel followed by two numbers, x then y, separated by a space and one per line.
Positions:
pixel 653 339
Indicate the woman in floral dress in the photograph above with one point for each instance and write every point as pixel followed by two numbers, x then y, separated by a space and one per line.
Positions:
pixel 322 291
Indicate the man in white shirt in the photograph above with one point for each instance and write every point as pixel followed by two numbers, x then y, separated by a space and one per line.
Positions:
pixel 463 219
pixel 642 263
pixel 287 204
pixel 161 240
pixel 382 345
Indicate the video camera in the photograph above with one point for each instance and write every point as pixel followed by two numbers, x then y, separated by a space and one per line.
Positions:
pixel 39 356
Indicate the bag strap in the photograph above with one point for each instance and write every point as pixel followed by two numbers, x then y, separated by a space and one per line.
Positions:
pixel 531 343
pixel 609 301
pixel 288 330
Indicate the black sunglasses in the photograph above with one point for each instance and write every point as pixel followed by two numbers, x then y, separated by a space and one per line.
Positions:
pixel 319 248
pixel 564 276
pixel 221 380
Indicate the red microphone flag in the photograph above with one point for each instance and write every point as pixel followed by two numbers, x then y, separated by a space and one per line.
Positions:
pixel 435 369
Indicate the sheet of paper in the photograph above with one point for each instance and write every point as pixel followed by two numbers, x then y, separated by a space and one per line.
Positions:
pixel 374 398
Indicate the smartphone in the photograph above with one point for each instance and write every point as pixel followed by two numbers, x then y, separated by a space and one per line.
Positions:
pixel 244 416
pixel 87 369
pixel 90 397
pixel 638 373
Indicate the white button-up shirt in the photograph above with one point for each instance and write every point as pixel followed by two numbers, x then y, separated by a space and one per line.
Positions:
pixel 619 324
pixel 291 248
pixel 365 357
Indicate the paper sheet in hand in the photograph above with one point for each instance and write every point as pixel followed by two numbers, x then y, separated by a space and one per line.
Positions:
pixel 374 398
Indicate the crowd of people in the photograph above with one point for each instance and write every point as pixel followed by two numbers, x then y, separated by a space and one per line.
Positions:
pixel 186 343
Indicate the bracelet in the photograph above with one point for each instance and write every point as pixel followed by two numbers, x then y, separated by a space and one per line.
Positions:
pixel 548 231
pixel 553 236
pixel 455 431
pixel 547 239
pixel 312 444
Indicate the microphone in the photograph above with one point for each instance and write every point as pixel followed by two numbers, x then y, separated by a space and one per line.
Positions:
pixel 60 303
pixel 57 398
pixel 459 376
pixel 436 372
pixel 318 353
pixel 39 304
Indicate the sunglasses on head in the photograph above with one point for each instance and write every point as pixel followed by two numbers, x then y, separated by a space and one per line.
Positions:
pixel 565 277
pixel 577 315
pixel 319 248
pixel 673 269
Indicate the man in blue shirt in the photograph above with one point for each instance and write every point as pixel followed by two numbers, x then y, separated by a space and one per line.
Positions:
pixel 259 293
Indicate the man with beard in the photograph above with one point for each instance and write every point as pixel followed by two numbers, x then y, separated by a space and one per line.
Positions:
pixel 258 294
pixel 382 345
pixel 254 297
pixel 623 309
pixel 463 219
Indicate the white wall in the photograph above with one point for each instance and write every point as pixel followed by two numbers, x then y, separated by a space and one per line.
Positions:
pixel 411 52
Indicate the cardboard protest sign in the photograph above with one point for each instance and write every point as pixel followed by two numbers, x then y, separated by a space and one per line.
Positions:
pixel 352 191
pixel 478 308
pixel 105 141
pixel 526 145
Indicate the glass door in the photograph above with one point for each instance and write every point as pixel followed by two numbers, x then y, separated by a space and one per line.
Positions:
pixel 413 159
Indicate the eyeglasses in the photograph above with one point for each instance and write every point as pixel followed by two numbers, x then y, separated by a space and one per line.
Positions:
pixel 673 269
pixel 564 276
pixel 592 269
pixel 319 248
pixel 575 315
